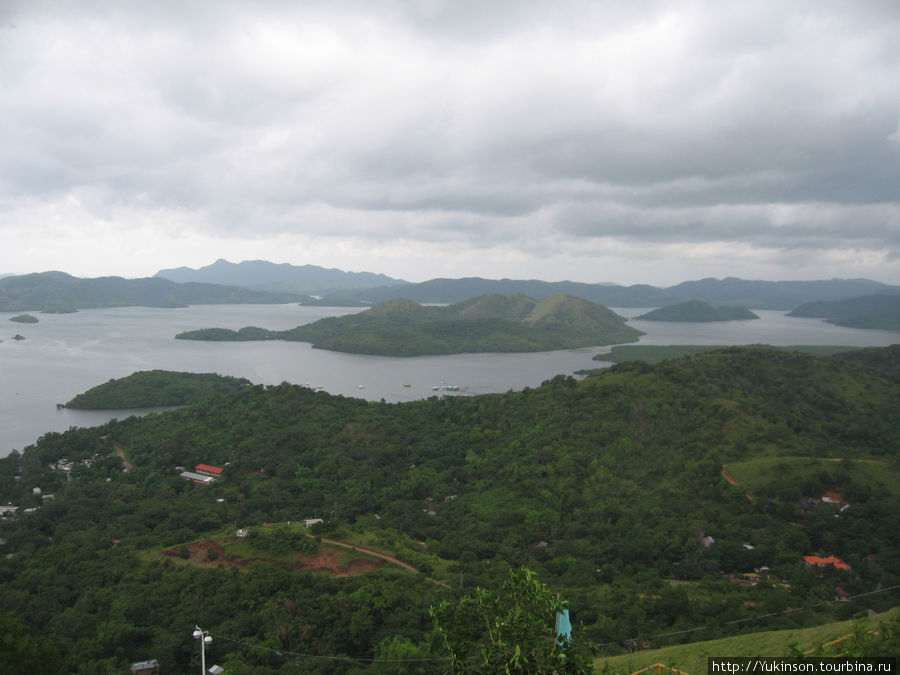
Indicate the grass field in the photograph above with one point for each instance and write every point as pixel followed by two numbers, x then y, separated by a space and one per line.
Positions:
pixel 756 472
pixel 692 658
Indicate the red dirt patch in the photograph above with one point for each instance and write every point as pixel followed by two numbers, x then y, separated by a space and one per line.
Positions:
pixel 327 560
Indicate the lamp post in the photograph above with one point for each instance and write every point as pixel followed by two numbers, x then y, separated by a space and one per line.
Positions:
pixel 205 639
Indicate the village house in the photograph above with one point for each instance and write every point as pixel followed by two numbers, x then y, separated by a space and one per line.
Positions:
pixel 831 560
pixel 199 479
pixel 208 470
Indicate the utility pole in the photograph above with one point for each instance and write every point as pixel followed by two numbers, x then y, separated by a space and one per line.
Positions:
pixel 205 639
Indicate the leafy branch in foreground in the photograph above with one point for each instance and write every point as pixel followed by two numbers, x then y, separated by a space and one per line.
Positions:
pixel 513 631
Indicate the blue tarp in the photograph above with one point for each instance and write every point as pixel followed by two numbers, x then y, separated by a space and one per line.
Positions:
pixel 563 626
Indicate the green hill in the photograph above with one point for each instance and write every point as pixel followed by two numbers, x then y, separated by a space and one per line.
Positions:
pixel 609 488
pixel 490 323
pixel 697 311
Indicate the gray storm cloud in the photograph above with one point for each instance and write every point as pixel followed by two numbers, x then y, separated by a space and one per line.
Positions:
pixel 517 124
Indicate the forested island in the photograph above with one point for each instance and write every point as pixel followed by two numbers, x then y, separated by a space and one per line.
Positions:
pixel 692 499
pixel 24 318
pixel 489 323
pixel 156 388
pixel 697 311
pixel 869 311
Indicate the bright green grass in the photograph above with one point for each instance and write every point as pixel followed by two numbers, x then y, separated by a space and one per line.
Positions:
pixel 757 472
pixel 692 658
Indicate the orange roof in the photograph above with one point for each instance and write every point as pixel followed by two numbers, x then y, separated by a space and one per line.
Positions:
pixel 208 469
pixel 830 560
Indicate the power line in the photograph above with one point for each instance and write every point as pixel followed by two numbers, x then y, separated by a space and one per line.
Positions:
pixel 284 653
pixel 287 653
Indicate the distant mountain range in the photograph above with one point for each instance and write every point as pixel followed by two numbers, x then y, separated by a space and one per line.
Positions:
pixel 731 291
pixel 266 276
pixel 258 281
pixel 61 292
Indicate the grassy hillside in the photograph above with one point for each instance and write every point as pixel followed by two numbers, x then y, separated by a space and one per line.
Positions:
pixel 491 323
pixel 692 658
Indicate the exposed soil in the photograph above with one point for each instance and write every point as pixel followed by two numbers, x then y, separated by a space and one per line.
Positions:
pixel 325 561
pixel 727 474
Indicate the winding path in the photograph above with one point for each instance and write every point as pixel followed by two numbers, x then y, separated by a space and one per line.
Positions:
pixel 383 556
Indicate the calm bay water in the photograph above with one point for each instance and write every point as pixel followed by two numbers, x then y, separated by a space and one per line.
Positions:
pixel 65 354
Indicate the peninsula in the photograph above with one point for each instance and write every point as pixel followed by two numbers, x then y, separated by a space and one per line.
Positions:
pixel 489 323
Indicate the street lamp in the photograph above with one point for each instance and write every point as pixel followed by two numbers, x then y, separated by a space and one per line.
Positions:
pixel 205 639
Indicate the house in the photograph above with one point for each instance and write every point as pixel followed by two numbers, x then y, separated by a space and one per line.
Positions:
pixel 196 477
pixel 146 667
pixel 832 497
pixel 313 521
pixel 208 470
pixel 825 562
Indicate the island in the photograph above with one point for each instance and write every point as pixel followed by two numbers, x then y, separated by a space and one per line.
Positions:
pixel 881 311
pixel 156 388
pixel 697 311
pixel 488 323
pixel 24 318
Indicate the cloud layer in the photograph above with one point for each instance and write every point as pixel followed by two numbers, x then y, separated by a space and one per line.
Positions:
pixel 625 141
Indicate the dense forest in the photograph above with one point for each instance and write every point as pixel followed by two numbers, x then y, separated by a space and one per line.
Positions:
pixel 656 500
pixel 488 323
pixel 154 388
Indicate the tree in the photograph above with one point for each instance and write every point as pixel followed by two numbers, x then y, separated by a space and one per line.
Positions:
pixel 512 631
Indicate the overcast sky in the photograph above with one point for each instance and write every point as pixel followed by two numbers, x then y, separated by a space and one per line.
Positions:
pixel 631 142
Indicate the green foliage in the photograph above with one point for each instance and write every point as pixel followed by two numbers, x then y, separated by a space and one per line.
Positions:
pixel 603 486
pixel 22 652
pixel 512 631
pixel 491 323
pixel 283 539
pixel 151 388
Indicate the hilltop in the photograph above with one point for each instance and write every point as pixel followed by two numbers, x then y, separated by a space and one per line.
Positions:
pixel 697 311
pixel 262 275
pixel 490 323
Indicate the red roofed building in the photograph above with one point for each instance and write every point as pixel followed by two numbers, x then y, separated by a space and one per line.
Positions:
pixel 208 470
pixel 824 562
